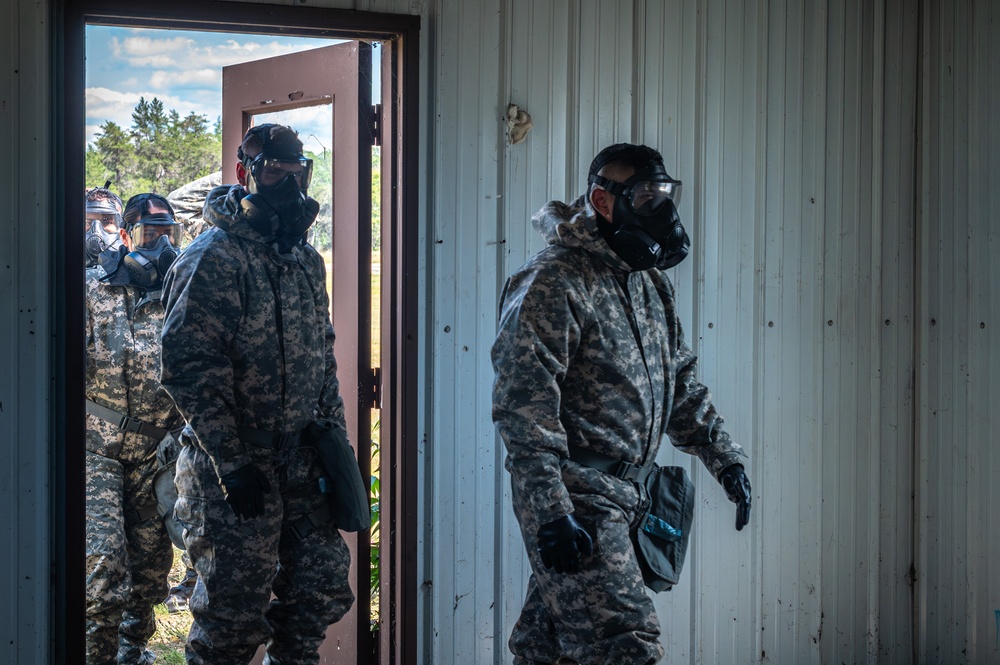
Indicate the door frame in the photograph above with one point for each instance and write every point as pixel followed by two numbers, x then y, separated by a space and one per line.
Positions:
pixel 400 32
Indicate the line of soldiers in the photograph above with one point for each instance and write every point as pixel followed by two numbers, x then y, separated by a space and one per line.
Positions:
pixel 226 350
pixel 203 367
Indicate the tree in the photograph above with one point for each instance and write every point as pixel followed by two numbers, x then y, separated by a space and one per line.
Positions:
pixel 159 152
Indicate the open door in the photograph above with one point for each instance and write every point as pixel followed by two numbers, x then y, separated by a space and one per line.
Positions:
pixel 339 77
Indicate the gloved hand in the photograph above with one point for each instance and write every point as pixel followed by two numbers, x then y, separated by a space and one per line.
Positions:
pixel 244 490
pixel 562 544
pixel 734 480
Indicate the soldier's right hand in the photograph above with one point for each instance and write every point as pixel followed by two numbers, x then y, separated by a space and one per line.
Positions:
pixel 244 490
pixel 562 544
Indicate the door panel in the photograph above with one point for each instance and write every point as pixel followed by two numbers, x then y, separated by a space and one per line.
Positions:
pixel 338 75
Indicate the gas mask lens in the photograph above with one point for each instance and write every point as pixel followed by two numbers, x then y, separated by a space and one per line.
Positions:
pixel 648 198
pixel 145 234
pixel 110 223
pixel 269 172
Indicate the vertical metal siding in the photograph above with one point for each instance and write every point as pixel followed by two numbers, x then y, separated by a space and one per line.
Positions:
pixel 959 518
pixel 25 331
pixel 462 465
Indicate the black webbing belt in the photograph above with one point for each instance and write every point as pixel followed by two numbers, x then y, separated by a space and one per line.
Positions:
pixel 125 423
pixel 264 439
pixel 616 467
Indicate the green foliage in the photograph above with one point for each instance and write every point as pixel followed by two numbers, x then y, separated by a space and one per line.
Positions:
pixel 375 563
pixel 159 152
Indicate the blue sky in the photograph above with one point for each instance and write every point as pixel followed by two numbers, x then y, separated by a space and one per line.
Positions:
pixel 184 70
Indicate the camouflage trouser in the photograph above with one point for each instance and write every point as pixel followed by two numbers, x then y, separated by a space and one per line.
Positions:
pixel 240 564
pixel 600 614
pixel 127 565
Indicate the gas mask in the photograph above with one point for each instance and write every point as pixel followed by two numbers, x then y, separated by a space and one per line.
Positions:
pixel 156 241
pixel 647 231
pixel 98 238
pixel 277 205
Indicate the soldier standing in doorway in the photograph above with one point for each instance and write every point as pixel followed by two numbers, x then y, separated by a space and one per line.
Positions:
pixel 248 359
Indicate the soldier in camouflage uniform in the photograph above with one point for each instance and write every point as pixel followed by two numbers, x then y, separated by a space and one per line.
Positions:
pixel 128 551
pixel 248 358
pixel 590 355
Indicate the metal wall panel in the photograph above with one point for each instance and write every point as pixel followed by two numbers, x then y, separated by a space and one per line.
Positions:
pixel 958 577
pixel 460 458
pixel 25 331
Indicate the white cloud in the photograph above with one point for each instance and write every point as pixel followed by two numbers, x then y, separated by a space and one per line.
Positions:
pixel 161 79
pixel 184 53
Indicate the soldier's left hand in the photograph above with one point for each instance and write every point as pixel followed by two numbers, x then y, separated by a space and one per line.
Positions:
pixel 734 480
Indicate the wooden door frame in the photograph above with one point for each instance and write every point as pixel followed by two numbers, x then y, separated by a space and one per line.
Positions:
pixel 400 230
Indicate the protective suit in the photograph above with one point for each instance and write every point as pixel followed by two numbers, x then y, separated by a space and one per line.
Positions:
pixel 128 552
pixel 591 353
pixel 248 343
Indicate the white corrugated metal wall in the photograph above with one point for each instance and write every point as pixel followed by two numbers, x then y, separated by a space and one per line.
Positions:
pixel 958 329
pixel 26 324
pixel 830 280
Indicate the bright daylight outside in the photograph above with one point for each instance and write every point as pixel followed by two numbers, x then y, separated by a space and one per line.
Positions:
pixel 153 125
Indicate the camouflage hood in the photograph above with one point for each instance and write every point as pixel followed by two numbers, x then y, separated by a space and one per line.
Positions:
pixel 222 209
pixel 574 225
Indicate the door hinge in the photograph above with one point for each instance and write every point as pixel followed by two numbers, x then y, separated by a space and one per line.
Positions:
pixel 375 391
pixel 375 124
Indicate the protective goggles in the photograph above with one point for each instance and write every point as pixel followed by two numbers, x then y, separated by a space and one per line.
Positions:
pixel 105 213
pixel 645 197
pixel 151 228
pixel 269 171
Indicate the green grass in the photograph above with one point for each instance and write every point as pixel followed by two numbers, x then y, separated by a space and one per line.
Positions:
pixel 171 629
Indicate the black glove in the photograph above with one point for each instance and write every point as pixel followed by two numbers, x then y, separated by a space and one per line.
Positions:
pixel 244 489
pixel 562 544
pixel 734 480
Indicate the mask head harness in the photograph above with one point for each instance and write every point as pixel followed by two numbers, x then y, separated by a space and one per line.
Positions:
pixel 278 177
pixel 646 231
pixel 156 240
pixel 103 219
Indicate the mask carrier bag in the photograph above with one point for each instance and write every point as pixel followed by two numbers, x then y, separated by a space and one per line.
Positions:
pixel 662 530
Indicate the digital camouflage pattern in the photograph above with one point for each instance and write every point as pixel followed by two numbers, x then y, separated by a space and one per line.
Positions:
pixel 592 353
pixel 188 201
pixel 247 341
pixel 127 565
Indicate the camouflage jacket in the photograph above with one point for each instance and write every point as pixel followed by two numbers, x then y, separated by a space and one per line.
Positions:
pixel 591 353
pixel 123 365
pixel 247 338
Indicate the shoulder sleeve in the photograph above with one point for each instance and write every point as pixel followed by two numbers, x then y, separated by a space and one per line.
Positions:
pixel 203 308
pixel 539 332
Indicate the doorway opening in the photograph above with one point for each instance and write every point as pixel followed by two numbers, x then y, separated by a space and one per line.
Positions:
pixel 364 148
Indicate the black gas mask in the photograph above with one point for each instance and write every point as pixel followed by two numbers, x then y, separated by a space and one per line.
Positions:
pixel 646 231
pixel 100 216
pixel 156 242
pixel 277 205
